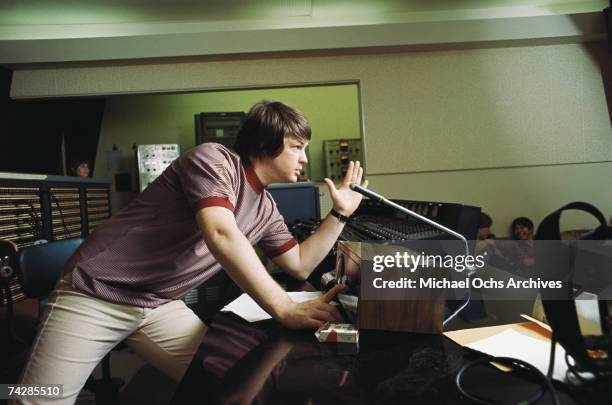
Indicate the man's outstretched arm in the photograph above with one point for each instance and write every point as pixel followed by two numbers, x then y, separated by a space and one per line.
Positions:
pixel 238 258
pixel 301 260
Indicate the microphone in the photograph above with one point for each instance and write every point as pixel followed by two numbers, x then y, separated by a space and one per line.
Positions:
pixel 379 198
pixel 368 193
pixel 470 270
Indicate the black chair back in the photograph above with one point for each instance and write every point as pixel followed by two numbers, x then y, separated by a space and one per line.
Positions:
pixel 40 266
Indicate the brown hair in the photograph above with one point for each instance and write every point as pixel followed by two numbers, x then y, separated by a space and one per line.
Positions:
pixel 265 127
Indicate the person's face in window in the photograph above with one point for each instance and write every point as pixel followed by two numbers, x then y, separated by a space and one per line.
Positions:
pixel 82 170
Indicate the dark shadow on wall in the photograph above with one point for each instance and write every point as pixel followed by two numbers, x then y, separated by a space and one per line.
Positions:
pixel 601 53
pixel 31 132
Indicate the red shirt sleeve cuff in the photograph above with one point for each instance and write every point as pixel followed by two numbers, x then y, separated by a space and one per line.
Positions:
pixel 279 250
pixel 214 202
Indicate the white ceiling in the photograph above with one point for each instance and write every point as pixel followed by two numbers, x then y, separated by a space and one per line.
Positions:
pixel 34 31
pixel 63 12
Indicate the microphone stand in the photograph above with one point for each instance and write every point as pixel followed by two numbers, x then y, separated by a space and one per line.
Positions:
pixel 470 270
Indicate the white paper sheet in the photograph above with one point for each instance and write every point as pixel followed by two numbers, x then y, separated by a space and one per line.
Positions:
pixel 511 343
pixel 249 310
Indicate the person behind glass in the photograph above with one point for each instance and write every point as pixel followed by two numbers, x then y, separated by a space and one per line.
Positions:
pixel 203 214
pixel 80 168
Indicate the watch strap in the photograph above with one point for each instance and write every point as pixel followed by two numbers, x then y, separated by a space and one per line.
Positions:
pixel 341 218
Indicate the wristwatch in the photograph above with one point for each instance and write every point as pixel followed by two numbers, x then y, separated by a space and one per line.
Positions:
pixel 341 218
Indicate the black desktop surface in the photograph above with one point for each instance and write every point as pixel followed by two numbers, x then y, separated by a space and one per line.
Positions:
pixel 262 363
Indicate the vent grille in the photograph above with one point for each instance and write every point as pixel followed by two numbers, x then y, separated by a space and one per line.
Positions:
pixel 20 215
pixel 31 209
pixel 65 213
pixel 98 207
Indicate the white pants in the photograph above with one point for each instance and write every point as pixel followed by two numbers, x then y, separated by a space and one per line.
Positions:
pixel 78 330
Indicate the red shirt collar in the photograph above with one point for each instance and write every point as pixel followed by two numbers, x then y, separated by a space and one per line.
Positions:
pixel 253 180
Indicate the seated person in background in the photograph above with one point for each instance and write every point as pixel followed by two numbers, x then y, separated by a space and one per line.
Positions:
pixel 484 236
pixel 485 242
pixel 522 231
pixel 485 245
pixel 514 256
pixel 484 227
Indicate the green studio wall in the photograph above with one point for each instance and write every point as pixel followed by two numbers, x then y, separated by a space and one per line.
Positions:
pixel 332 111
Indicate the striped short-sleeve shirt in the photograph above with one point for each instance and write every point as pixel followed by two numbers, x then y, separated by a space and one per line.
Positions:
pixel 152 251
